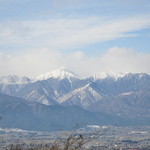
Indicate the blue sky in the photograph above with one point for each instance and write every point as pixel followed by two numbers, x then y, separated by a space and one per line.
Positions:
pixel 88 29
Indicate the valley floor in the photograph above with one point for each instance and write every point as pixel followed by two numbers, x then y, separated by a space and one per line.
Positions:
pixel 95 138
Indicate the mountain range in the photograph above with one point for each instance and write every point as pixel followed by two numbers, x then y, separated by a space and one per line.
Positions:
pixel 60 99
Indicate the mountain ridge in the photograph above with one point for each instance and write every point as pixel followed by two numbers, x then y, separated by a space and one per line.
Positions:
pixel 54 89
pixel 64 73
pixel 126 98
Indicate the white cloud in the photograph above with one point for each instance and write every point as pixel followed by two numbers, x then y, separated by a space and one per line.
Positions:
pixel 68 33
pixel 36 62
pixel 126 60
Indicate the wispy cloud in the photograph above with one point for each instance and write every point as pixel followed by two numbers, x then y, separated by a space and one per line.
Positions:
pixel 69 33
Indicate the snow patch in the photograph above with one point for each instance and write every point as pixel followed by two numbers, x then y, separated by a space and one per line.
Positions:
pixel 126 93
pixel 12 130
pixel 93 126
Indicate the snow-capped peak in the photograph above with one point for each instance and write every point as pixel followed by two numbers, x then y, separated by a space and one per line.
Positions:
pixel 59 73
pixel 104 75
pixel 13 79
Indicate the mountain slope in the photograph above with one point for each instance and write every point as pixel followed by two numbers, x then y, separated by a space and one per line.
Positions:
pixel 83 96
pixel 44 91
pixel 108 93
pixel 127 83
pixel 131 104
pixel 18 113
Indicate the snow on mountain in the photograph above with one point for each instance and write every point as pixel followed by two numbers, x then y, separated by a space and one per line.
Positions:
pixel 113 75
pixel 59 73
pixel 64 87
pixel 107 93
pixel 13 79
pixel 83 96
